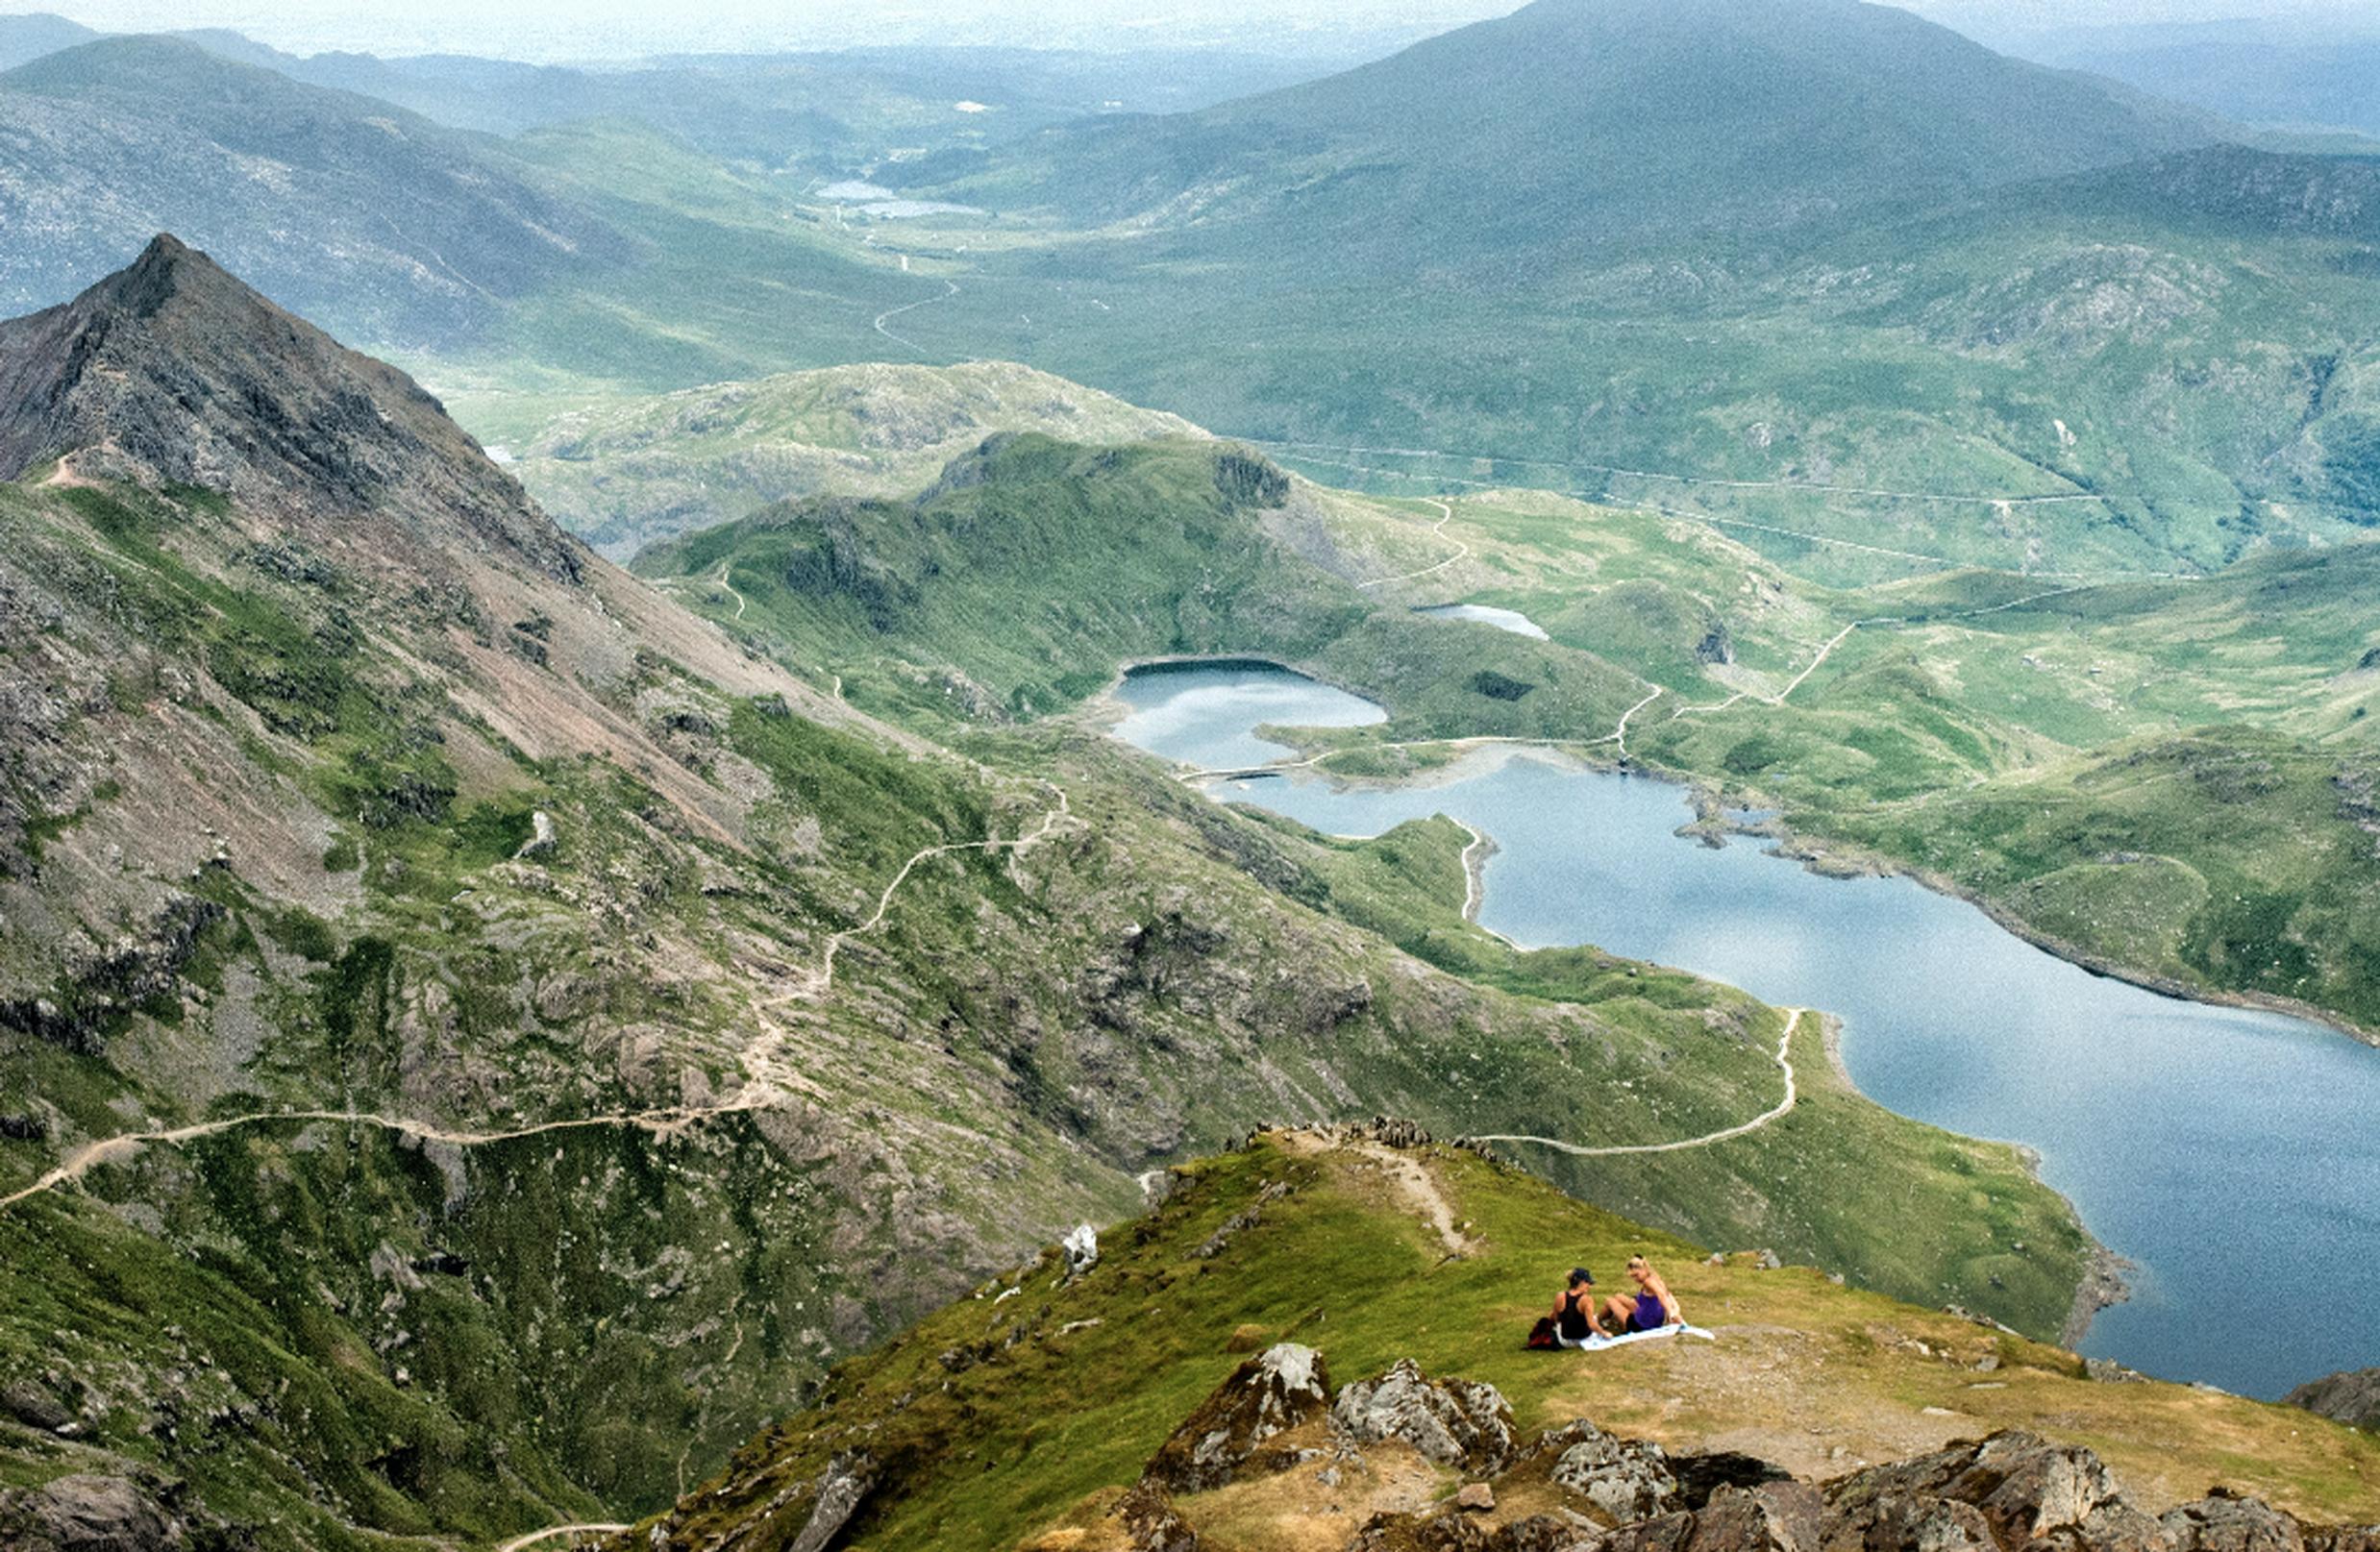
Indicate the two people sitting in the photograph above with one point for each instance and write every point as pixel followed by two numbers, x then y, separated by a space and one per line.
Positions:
pixel 1576 1319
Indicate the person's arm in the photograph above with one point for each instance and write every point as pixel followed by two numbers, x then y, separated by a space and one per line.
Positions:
pixel 1669 1311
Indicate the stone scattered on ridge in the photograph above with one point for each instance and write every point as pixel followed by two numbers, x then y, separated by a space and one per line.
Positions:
pixel 1453 1421
pixel 1282 1389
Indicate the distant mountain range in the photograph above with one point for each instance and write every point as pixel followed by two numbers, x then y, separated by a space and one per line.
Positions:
pixel 1587 124
pixel 2253 71
pixel 335 203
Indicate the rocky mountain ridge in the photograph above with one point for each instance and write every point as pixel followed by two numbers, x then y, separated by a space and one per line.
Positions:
pixel 173 371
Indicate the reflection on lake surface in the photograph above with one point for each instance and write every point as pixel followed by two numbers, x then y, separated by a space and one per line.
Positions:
pixel 1205 714
pixel 1512 620
pixel 2233 1154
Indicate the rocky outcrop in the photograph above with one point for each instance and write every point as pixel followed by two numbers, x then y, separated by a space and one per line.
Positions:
pixel 1454 1422
pixel 1622 1479
pixel 90 1512
pixel 1283 1388
pixel 2020 1488
pixel 2352 1398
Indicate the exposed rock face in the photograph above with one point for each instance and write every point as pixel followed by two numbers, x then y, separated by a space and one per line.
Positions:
pixel 2021 1486
pixel 1623 1478
pixel 840 1491
pixel 2352 1398
pixel 1268 1395
pixel 172 370
pixel 89 1514
pixel 1454 1422
pixel 2224 1523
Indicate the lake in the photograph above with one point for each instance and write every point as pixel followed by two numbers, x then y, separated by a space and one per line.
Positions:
pixel 2231 1154
pixel 1512 620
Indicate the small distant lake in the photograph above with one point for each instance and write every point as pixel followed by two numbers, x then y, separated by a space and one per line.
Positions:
pixel 1512 620
pixel 2231 1154
pixel 889 203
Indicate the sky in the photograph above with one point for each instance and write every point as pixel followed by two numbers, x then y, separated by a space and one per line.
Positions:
pixel 620 29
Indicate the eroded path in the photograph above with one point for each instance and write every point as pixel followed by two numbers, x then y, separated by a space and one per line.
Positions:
pixel 1462 550
pixel 902 340
pixel 1784 1107
pixel 769 1082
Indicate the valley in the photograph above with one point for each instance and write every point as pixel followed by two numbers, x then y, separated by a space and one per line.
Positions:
pixel 657 717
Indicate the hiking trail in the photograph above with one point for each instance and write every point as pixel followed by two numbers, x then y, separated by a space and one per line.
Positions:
pixel 1785 1064
pixel 767 1082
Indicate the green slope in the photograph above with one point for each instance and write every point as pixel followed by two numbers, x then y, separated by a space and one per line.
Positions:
pixel 1003 1417
pixel 1036 568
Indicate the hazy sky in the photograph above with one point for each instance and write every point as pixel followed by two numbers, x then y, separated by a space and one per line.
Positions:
pixel 563 29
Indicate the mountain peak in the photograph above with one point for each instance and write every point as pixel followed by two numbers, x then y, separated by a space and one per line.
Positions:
pixel 172 369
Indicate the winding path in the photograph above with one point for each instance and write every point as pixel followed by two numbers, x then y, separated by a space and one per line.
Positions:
pixel 1785 1064
pixel 1462 550
pixel 902 340
pixel 731 587
pixel 522 1543
pixel 767 1083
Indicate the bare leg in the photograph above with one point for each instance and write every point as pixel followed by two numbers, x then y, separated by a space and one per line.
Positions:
pixel 1618 1310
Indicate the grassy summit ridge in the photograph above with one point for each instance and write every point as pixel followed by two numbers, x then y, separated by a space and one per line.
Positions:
pixel 1019 1411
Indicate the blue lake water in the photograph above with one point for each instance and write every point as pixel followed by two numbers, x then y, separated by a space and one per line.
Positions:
pixel 1512 620
pixel 2233 1155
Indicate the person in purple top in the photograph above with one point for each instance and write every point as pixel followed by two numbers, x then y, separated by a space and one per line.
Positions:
pixel 1655 1305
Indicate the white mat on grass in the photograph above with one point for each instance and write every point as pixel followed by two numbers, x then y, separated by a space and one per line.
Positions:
pixel 1596 1344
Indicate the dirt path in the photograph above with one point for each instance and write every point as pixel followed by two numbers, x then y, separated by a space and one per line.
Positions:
pixel 1621 735
pixel 1408 1178
pixel 1413 1181
pixel 521 1544
pixel 1785 1064
pixel 731 589
pixel 768 1082
pixel 1462 550
pixel 890 313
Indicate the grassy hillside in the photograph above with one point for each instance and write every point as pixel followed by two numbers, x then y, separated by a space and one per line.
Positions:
pixel 1005 1417
pixel 622 474
pixel 638 1175
pixel 1034 568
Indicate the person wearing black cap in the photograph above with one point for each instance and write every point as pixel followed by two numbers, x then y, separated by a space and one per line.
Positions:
pixel 1575 1318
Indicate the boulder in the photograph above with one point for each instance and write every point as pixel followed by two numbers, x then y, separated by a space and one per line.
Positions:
pixel 841 1488
pixel 1455 1422
pixel 2342 1538
pixel 1081 1249
pixel 1775 1516
pixel 1622 1480
pixel 35 1407
pixel 2224 1523
pixel 1786 1516
pixel 1453 1529
pixel 1279 1389
pixel 2022 1485
pixel 1923 1521
pixel 1152 1525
